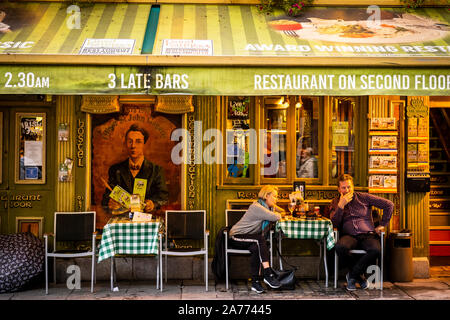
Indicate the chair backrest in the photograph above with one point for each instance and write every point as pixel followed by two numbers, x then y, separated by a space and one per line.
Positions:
pixel 74 226
pixel 232 216
pixel 185 224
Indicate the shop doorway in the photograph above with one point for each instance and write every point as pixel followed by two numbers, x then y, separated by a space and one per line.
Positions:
pixel 27 187
pixel 440 185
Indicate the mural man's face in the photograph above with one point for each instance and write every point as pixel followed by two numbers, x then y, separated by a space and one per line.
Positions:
pixel 135 144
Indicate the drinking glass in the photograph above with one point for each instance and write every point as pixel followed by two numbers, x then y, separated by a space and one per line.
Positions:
pixel 291 207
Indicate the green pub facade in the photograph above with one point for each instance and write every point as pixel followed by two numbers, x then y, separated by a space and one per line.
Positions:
pixel 232 100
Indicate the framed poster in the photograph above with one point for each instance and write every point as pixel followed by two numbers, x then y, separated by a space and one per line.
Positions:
pixel 383 124
pixel 383 142
pixel 238 107
pixel 340 133
pixel 63 132
pixel 30 148
pixel 383 162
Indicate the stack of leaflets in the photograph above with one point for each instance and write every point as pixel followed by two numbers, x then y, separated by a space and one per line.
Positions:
pixel 124 198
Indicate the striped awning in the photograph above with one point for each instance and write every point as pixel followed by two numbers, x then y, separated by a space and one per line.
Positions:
pixel 206 49
pixel 62 28
pixel 241 30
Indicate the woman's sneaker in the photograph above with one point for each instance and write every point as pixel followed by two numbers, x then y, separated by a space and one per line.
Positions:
pixel 272 281
pixel 351 283
pixel 363 283
pixel 257 287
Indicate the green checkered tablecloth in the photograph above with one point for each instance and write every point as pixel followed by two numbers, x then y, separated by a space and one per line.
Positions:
pixel 308 229
pixel 129 238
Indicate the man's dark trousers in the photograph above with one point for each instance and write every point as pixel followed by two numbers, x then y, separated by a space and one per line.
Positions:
pixel 358 263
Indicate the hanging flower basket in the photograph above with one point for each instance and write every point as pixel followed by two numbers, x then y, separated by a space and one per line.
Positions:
pixel 412 4
pixel 290 7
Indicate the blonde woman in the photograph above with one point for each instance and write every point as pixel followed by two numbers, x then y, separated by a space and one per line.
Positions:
pixel 247 234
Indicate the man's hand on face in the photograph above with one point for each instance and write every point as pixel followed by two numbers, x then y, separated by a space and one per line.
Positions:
pixel 344 199
pixel 379 229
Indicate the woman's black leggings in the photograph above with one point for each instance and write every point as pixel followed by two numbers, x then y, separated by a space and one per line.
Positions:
pixel 257 246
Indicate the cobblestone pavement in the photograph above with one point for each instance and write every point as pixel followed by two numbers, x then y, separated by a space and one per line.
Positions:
pixel 437 288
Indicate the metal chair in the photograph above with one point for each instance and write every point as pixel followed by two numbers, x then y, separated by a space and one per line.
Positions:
pixel 232 216
pixel 359 251
pixel 70 227
pixel 184 225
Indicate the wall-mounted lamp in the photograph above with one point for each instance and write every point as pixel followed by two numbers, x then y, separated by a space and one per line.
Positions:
pixel 286 102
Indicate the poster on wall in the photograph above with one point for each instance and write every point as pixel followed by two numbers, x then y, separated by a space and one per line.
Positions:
pixel 340 133
pixel 238 108
pixel 127 149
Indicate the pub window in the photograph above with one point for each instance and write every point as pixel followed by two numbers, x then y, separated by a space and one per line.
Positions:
pixel 30 148
pixel 307 137
pixel 291 139
pixel 274 137
pixel 343 135
pixel 240 136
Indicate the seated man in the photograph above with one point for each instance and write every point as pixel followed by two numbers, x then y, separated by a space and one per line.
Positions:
pixel 351 214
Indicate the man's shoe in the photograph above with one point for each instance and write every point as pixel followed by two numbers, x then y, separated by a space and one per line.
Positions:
pixel 351 283
pixel 257 287
pixel 363 283
pixel 272 281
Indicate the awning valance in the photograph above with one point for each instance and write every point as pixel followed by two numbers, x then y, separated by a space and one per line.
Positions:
pixel 239 81
pixel 62 28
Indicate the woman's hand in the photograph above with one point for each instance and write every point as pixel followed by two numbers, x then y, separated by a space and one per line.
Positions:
pixel 113 204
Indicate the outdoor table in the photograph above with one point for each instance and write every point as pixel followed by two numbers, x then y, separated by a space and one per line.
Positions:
pixel 320 229
pixel 121 236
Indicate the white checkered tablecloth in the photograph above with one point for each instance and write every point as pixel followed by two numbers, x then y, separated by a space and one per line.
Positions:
pixel 129 238
pixel 308 229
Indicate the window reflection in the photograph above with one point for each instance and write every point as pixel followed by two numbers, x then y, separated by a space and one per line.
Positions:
pixel 342 135
pixel 274 139
pixel 238 138
pixel 307 137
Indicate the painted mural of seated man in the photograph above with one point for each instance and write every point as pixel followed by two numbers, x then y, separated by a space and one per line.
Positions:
pixel 124 173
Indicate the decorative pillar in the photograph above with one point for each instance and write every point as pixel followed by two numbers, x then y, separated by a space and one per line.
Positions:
pixel 65 114
pixel 417 203
pixel 201 178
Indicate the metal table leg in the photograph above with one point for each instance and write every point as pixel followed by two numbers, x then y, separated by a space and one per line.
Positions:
pixel 325 264
pixel 279 249
pixel 112 273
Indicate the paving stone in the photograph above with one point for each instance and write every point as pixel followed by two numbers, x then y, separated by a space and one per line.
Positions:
pixel 6 296
pixel 426 289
